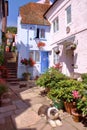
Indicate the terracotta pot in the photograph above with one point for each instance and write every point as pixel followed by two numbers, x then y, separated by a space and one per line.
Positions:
pixel 27 77
pixel 68 106
pixel 77 117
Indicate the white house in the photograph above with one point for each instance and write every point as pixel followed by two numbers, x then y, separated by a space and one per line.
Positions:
pixel 68 20
pixel 33 28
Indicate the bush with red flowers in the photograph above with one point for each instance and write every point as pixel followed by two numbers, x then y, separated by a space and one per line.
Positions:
pixel 3 87
pixel 29 62
pixel 25 61
pixel 41 44
pixel 3 72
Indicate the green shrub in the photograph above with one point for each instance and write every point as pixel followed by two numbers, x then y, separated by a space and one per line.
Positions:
pixel 64 90
pixel 50 78
pixel 1 55
pixel 3 87
pixel 82 103
pixel 84 78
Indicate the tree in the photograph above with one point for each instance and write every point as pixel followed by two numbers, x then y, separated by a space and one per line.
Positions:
pixel 11 30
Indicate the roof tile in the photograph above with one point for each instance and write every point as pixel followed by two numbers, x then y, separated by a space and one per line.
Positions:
pixel 32 13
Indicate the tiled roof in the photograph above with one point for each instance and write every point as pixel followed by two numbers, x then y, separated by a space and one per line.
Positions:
pixel 32 13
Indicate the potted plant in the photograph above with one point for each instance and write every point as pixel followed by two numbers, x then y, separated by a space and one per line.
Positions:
pixel 82 103
pixel 65 89
pixel 54 95
pixel 50 78
pixel 26 76
pixel 40 45
pixel 29 62
pixel 73 46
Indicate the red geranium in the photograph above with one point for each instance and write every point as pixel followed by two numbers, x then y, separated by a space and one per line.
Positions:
pixel 24 61
pixel 41 44
pixel 31 62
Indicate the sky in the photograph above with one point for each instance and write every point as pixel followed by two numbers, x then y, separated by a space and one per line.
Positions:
pixel 14 9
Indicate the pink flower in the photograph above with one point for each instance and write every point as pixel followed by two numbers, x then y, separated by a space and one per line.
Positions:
pixel 75 94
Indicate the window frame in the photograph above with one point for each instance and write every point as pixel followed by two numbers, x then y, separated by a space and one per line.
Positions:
pixel 55 57
pixel 34 55
pixel 56 24
pixel 40 33
pixel 68 15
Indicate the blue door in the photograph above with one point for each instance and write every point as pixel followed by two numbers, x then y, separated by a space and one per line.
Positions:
pixel 44 61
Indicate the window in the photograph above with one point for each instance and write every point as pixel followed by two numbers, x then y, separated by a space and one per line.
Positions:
pixel 55 58
pixel 40 33
pixel 56 25
pixel 35 55
pixel 68 14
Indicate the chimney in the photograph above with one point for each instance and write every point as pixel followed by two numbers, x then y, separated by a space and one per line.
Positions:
pixel 47 2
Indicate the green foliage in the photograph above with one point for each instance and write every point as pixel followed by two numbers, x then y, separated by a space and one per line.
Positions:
pixel 12 30
pixel 64 90
pixel 84 78
pixel 50 78
pixel 3 87
pixel 26 74
pixel 1 55
pixel 13 49
pixel 82 103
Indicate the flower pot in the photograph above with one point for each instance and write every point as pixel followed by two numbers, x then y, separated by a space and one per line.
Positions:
pixel 57 52
pixel 68 106
pixel 27 77
pixel 77 117
pixel 58 104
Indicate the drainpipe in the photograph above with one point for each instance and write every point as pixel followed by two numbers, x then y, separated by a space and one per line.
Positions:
pixel 27 49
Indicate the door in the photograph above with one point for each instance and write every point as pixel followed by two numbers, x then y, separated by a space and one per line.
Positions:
pixel 69 62
pixel 44 61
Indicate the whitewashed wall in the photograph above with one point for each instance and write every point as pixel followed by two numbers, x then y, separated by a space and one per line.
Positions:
pixel 26 41
pixel 78 27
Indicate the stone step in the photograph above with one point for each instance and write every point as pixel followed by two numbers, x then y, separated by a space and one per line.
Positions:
pixel 14 83
pixel 12 79
pixel 12 76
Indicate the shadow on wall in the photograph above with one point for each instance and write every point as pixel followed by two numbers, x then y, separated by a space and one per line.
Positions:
pixel 23 52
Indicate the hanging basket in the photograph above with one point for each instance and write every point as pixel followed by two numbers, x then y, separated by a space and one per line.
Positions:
pixel 57 52
pixel 40 45
pixel 73 47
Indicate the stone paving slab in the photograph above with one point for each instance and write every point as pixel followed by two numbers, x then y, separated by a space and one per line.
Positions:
pixel 77 125
pixel 36 107
pixel 26 95
pixel 25 119
pixel 42 125
pixel 39 99
pixel 7 108
pixel 20 104
pixel 2 121
pixel 6 114
pixel 25 115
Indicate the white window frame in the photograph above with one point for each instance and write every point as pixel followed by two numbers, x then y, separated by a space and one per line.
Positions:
pixel 55 58
pixel 68 15
pixel 56 24
pixel 34 55
pixel 41 32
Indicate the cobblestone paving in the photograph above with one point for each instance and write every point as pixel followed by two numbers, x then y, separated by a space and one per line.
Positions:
pixel 19 110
